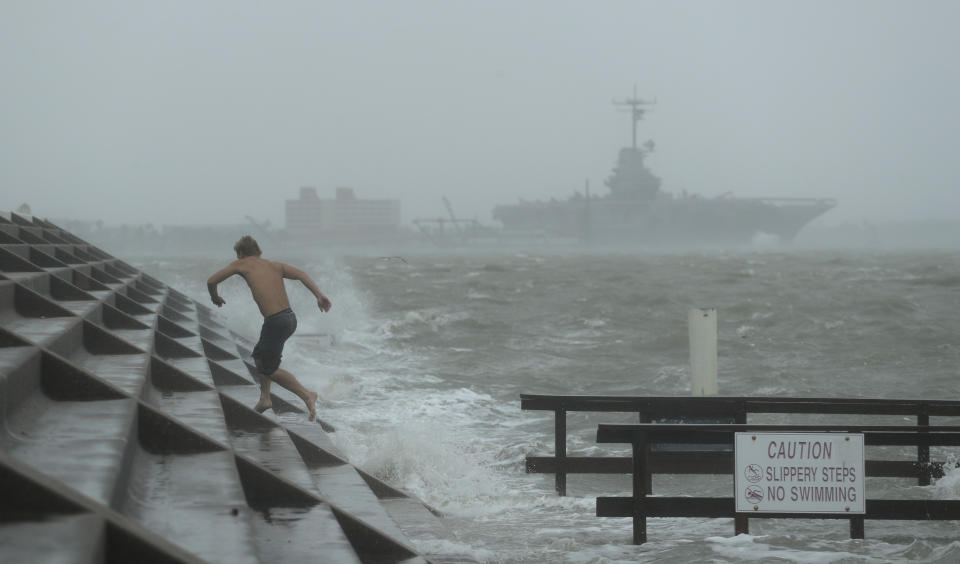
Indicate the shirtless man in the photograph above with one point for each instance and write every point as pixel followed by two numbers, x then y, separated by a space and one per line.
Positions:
pixel 265 279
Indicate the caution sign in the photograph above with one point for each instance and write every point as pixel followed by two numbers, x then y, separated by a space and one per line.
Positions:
pixel 799 473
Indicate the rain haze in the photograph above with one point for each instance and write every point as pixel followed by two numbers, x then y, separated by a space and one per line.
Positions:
pixel 203 113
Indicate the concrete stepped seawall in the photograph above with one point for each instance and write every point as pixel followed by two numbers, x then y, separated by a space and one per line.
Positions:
pixel 129 436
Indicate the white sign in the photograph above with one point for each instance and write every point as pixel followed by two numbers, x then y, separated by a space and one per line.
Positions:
pixel 799 473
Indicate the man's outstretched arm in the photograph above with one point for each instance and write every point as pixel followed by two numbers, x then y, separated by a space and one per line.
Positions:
pixel 294 273
pixel 217 278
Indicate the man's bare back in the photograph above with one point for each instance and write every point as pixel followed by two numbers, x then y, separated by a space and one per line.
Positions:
pixel 265 279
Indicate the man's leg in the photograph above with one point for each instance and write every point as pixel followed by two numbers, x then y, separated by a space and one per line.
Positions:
pixel 264 403
pixel 290 382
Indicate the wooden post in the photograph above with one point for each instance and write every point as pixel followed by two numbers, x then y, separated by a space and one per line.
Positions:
pixel 856 527
pixel 647 475
pixel 923 452
pixel 640 472
pixel 703 351
pixel 560 441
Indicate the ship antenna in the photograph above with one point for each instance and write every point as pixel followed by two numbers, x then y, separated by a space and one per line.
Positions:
pixel 635 109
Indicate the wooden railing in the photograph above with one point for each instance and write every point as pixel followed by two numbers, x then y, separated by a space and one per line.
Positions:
pixel 721 409
pixel 644 437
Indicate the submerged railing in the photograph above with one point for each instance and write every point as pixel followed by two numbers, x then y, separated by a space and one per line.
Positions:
pixel 695 435
pixel 726 410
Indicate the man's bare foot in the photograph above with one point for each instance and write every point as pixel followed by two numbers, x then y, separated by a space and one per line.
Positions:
pixel 312 405
pixel 262 406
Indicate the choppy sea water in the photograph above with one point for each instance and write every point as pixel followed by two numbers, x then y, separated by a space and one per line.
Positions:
pixel 421 363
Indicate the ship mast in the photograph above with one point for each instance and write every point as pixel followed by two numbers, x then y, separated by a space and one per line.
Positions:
pixel 635 109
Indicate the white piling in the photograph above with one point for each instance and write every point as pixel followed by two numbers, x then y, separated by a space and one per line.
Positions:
pixel 703 351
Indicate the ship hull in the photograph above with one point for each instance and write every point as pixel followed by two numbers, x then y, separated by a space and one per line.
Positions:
pixel 689 222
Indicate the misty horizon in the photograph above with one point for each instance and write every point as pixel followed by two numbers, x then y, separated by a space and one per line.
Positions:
pixel 183 114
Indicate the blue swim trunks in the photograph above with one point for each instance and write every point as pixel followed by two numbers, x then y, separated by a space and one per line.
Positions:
pixel 276 329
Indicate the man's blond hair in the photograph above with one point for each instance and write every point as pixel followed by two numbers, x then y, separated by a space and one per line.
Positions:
pixel 247 247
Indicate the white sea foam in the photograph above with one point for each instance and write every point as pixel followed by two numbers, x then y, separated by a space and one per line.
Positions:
pixel 947 487
pixel 429 461
pixel 431 319
pixel 449 548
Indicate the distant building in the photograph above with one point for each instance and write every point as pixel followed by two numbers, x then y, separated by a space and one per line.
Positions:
pixel 345 218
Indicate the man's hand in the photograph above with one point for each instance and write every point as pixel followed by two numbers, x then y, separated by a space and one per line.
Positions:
pixel 323 303
pixel 219 277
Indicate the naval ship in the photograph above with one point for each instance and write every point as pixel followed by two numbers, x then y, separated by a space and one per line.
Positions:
pixel 636 212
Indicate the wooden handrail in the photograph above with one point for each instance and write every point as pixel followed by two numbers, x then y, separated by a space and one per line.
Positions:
pixel 733 408
pixel 695 406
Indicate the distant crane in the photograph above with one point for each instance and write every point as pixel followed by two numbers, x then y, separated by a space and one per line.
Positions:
pixel 262 227
pixel 433 228
pixel 453 218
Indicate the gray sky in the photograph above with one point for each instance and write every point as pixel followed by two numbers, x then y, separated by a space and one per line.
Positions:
pixel 192 112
